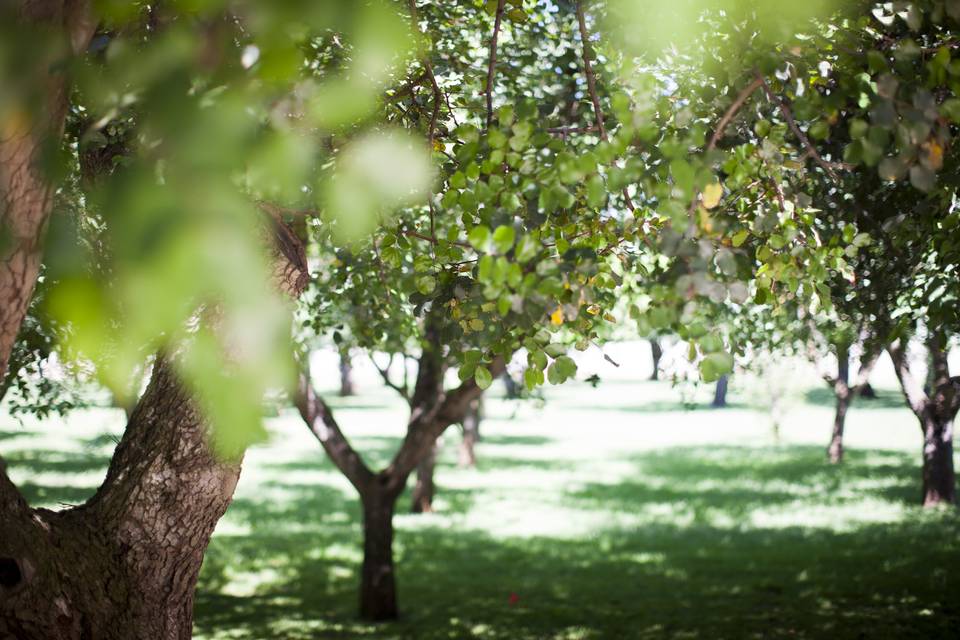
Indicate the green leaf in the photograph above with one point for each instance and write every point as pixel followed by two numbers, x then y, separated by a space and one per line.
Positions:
pixel 479 237
pixel 483 377
pixel 503 238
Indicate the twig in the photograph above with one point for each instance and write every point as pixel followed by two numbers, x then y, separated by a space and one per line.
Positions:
pixel 403 390
pixel 587 53
pixel 731 111
pixel 491 68
pixel 725 120
pixel 792 123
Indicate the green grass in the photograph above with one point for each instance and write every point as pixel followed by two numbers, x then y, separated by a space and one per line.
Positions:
pixel 608 513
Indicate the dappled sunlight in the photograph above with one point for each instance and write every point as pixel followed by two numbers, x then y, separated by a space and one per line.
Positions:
pixel 633 524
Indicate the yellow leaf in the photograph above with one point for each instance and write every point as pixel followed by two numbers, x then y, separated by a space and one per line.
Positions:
pixel 609 317
pixel 711 195
pixel 706 223
pixel 593 309
pixel 557 316
pixel 934 154
pixel 438 146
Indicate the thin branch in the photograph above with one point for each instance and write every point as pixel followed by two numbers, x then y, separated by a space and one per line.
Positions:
pixel 319 419
pixel 491 67
pixel 403 390
pixel 587 54
pixel 792 123
pixel 435 114
pixel 732 111
pixel 406 89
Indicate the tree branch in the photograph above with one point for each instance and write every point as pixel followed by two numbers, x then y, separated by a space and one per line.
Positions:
pixel 792 123
pixel 732 111
pixel 319 419
pixel 587 55
pixel 917 399
pixel 491 67
pixel 425 427
pixel 385 374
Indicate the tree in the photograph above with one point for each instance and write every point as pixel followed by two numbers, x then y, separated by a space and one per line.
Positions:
pixel 170 123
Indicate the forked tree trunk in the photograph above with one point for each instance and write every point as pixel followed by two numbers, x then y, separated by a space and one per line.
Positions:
pixel 656 352
pixel 378 588
pixel 939 479
pixel 432 412
pixel 471 435
pixel 125 564
pixel 424 489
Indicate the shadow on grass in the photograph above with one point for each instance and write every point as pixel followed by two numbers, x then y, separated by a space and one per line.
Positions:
pixel 886 399
pixel 295 574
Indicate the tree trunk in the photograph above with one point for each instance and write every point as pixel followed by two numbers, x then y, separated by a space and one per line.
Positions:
pixel 471 435
pixel 936 411
pixel 26 191
pixel 835 449
pixel 843 397
pixel 939 480
pixel 346 375
pixel 378 589
pixel 125 564
pixel 425 489
pixel 656 352
pixel 511 386
pixel 720 393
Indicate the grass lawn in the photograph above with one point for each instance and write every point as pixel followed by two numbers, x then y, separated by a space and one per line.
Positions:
pixel 606 513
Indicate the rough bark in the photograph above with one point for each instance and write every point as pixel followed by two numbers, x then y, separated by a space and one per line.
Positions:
pixel 656 352
pixel 124 565
pixel 33 122
pixel 936 411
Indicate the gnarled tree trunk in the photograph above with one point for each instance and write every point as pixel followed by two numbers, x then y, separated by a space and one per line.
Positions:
pixel 125 564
